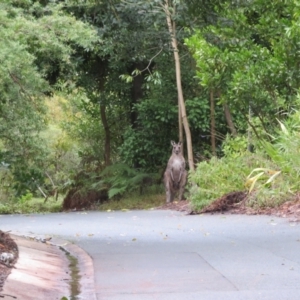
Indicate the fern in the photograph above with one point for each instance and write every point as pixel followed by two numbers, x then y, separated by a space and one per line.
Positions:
pixel 120 179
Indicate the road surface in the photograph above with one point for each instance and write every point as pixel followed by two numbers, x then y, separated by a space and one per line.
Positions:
pixel 167 255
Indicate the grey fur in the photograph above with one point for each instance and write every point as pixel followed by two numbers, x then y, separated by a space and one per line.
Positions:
pixel 175 174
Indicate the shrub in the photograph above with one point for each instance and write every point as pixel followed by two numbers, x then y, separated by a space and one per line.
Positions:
pixel 219 176
pixel 271 175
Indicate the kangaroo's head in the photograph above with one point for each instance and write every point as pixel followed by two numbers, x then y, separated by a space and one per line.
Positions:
pixel 176 147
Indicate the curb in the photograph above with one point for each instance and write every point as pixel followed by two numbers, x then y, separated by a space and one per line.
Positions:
pixel 85 262
pixel 85 265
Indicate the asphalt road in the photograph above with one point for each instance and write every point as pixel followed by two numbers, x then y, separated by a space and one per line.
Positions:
pixel 167 255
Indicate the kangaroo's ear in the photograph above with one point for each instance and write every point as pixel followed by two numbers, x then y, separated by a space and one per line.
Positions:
pixel 172 143
pixel 179 143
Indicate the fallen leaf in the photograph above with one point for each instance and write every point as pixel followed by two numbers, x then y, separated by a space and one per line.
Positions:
pixel 134 239
pixel 91 234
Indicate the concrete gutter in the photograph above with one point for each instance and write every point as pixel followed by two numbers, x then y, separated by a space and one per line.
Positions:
pixel 42 271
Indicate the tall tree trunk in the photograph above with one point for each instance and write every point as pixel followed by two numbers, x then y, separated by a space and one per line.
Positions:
pixel 107 135
pixel 212 123
pixel 180 125
pixel 229 119
pixel 250 145
pixel 181 104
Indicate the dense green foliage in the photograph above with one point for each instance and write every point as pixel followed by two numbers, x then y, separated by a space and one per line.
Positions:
pixel 36 42
pixel 271 175
pixel 247 57
pixel 88 95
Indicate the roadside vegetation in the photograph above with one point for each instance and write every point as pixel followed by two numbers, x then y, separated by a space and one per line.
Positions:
pixel 270 175
pixel 92 93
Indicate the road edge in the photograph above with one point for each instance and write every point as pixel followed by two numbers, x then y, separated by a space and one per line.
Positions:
pixel 85 262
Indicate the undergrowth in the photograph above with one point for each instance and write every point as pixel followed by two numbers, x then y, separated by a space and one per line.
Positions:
pixel 151 198
pixel 134 201
pixel 219 176
pixel 34 205
pixel 271 176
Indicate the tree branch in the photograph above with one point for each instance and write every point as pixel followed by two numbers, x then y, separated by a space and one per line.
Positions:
pixel 150 61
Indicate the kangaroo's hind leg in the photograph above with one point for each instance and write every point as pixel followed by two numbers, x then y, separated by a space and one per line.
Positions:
pixel 182 185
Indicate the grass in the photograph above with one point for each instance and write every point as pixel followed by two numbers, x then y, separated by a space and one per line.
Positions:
pixel 134 201
pixel 34 205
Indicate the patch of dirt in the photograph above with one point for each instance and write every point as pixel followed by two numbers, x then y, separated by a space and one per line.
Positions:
pixel 289 209
pixel 183 205
pixel 8 256
pixel 226 202
pixel 235 203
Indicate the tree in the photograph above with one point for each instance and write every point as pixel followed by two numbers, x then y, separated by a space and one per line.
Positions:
pixel 213 71
pixel 167 9
pixel 37 47
pixel 181 105
pixel 121 21
pixel 258 61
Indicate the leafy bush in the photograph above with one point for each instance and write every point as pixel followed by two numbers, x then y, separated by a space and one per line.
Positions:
pixel 26 197
pixel 34 205
pixel 121 179
pixel 234 147
pixel 146 146
pixel 283 152
pixel 271 175
pixel 218 177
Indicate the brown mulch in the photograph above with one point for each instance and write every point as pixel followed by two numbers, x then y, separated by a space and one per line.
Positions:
pixel 7 246
pixel 235 203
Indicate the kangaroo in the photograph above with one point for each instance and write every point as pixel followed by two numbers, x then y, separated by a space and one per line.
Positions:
pixel 175 174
